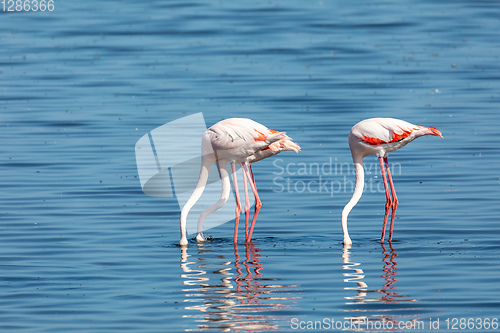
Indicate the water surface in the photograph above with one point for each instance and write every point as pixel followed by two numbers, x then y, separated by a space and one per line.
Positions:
pixel 83 249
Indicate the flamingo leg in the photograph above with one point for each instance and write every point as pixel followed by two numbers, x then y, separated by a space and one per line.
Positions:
pixel 251 173
pixel 238 204
pixel 247 203
pixel 394 198
pixel 384 226
pixel 258 203
pixel 388 202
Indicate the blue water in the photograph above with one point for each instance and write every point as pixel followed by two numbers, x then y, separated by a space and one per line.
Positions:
pixel 83 249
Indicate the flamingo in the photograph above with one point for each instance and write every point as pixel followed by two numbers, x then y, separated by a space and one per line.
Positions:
pixel 379 136
pixel 234 140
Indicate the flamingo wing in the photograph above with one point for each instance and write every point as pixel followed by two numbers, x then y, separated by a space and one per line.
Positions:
pixel 273 149
pixel 378 131
pixel 241 134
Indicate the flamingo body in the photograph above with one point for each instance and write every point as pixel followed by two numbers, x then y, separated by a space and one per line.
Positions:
pixel 234 140
pixel 379 136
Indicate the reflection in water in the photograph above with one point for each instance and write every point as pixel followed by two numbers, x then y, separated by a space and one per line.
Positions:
pixel 231 298
pixel 387 295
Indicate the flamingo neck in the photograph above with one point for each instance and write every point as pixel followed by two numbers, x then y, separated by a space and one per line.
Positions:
pixel 206 162
pixel 226 189
pixel 358 191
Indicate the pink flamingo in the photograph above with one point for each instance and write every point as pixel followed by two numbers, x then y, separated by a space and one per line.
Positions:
pixel 379 136
pixel 234 140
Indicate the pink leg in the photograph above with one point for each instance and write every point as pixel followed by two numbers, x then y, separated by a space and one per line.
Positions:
pixel 384 226
pixel 394 198
pixel 247 203
pixel 388 203
pixel 258 203
pixel 251 172
pixel 238 204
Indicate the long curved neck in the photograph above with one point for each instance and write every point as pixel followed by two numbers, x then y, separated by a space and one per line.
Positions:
pixel 226 189
pixel 358 191
pixel 206 162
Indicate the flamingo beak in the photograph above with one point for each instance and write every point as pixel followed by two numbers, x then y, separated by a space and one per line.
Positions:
pixel 434 131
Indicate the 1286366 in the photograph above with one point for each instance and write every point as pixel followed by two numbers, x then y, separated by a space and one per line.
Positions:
pixel 27 5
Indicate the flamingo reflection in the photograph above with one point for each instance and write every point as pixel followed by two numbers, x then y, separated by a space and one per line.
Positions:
pixel 390 272
pixel 232 296
pixel 387 294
